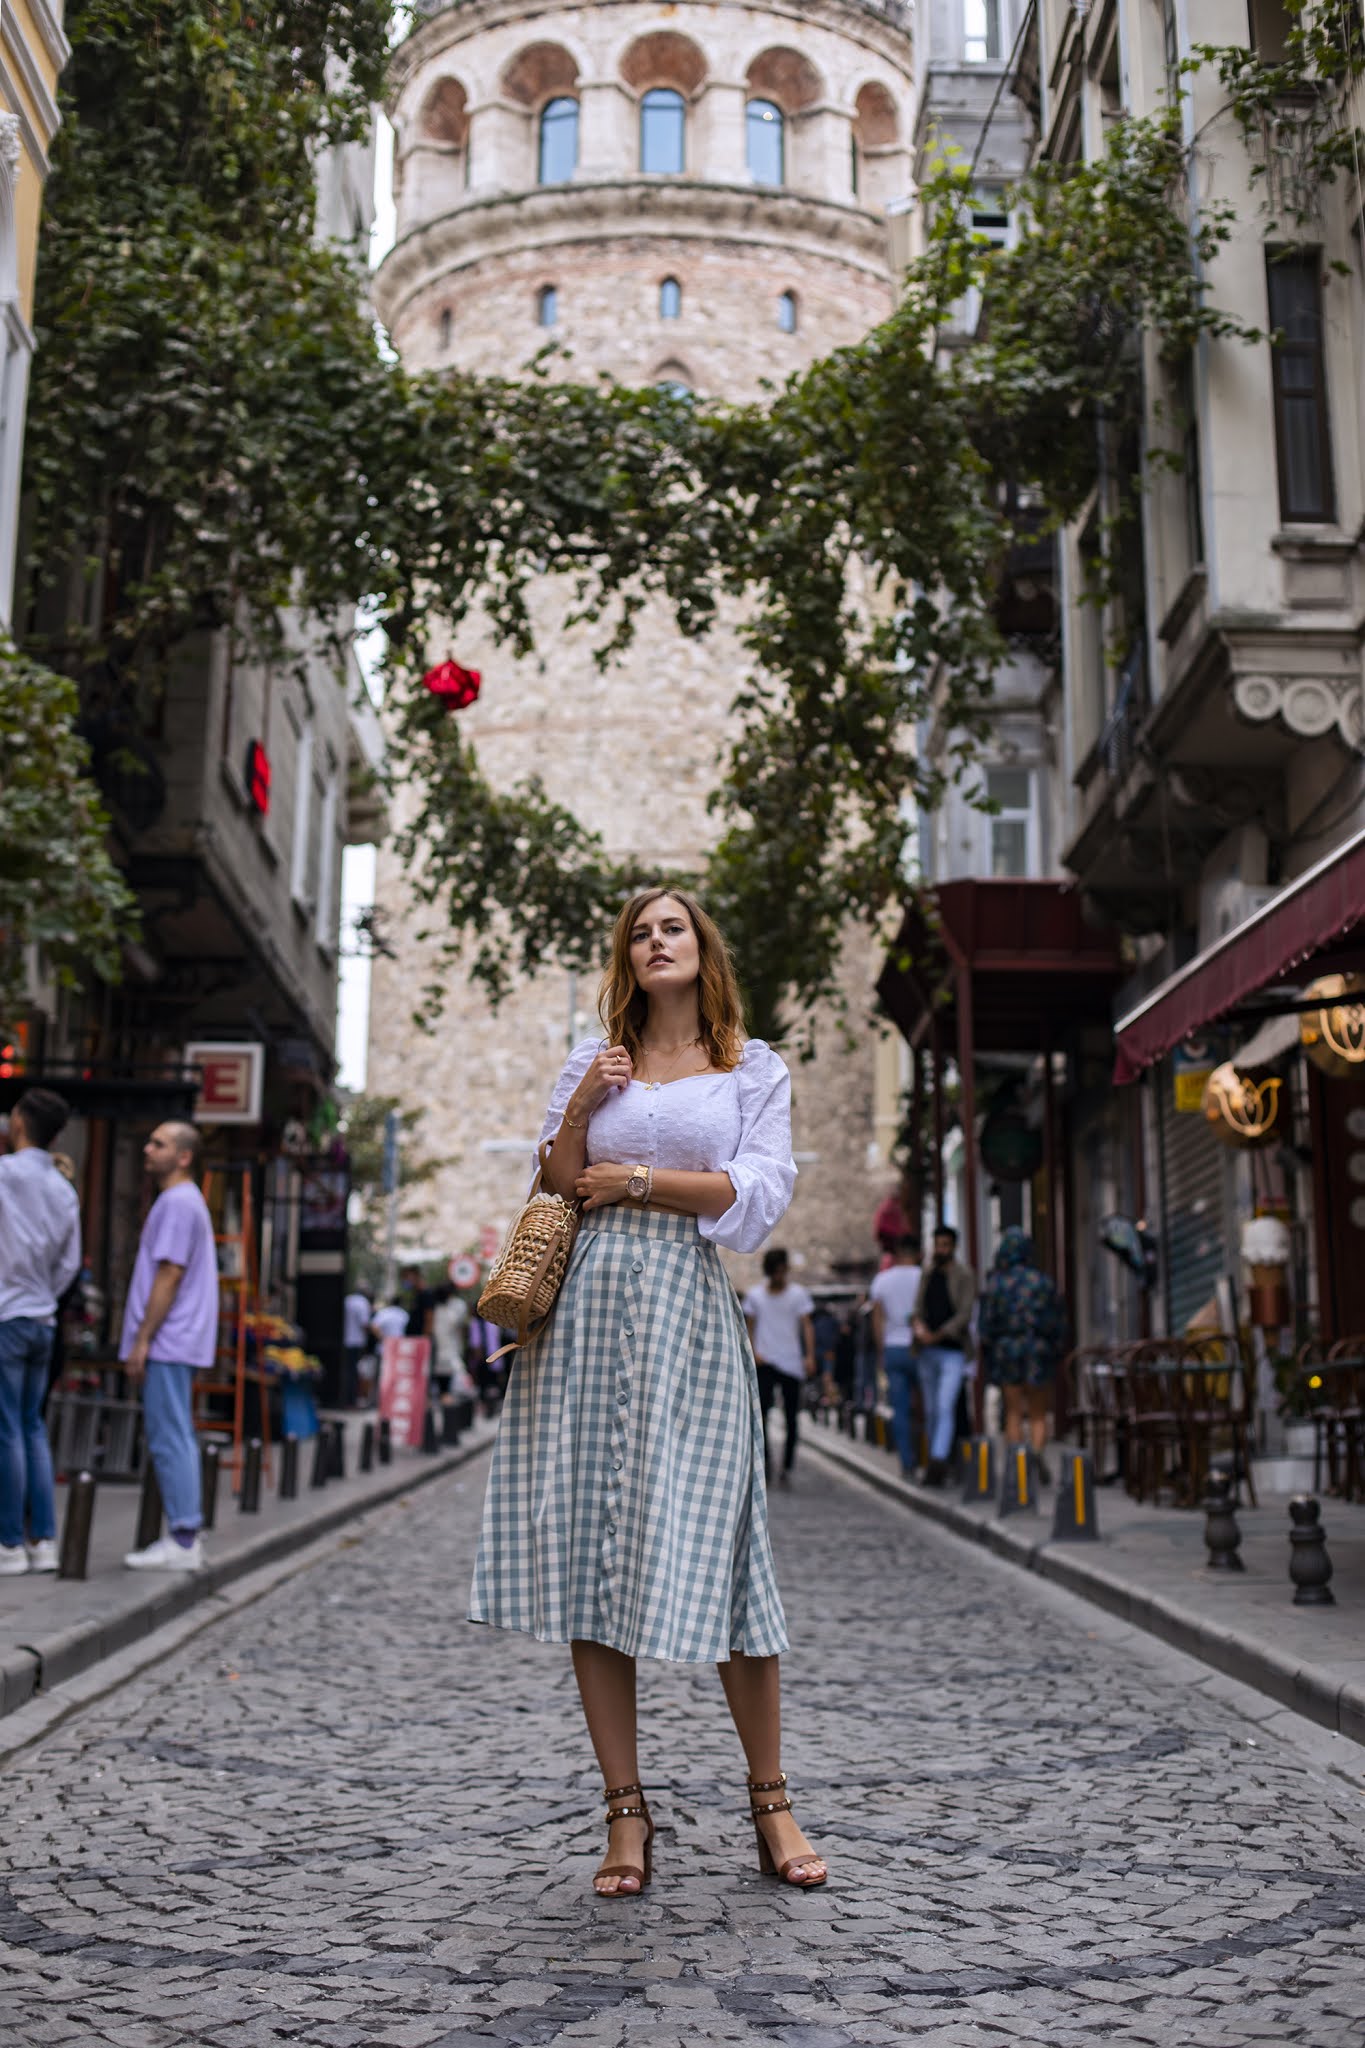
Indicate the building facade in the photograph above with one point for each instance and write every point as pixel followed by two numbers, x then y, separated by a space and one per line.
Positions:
pixel 689 195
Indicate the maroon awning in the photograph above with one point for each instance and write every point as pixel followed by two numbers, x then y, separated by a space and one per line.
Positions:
pixel 1306 915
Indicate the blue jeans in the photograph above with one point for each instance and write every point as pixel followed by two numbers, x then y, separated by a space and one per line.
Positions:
pixel 942 1369
pixel 168 1413
pixel 25 1460
pixel 900 1380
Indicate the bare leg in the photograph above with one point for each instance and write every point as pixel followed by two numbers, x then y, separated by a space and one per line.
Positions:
pixel 606 1686
pixel 1014 1414
pixel 1039 1402
pixel 753 1692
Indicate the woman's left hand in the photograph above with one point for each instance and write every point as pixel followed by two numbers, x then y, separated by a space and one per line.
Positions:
pixel 597 1187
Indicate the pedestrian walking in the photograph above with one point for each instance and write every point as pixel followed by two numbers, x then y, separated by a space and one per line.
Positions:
pixel 781 1323
pixel 626 1512
pixel 895 1295
pixel 355 1337
pixel 170 1332
pixel 1022 1327
pixel 40 1256
pixel 941 1325
pixel 449 1321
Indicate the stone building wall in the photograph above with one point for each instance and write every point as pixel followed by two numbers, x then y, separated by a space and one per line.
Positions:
pixel 634 751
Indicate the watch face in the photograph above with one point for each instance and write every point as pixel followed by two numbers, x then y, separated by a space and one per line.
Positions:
pixel 636 1184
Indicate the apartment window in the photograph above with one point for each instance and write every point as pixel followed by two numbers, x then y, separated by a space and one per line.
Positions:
pixel 547 305
pixel 670 299
pixel 1012 825
pixel 1269 24
pixel 786 312
pixel 558 141
pixel 1191 470
pixel 1299 380
pixel 764 146
pixel 300 861
pixel 1170 38
pixel 981 22
pixel 325 914
pixel 663 123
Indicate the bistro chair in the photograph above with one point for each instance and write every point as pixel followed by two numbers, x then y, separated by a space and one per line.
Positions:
pixel 1210 1399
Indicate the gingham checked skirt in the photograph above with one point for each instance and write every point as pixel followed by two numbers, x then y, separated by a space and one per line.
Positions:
pixel 626 1501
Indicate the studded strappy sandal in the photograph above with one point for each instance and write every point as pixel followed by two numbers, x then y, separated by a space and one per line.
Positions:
pixel 766 1862
pixel 617 1812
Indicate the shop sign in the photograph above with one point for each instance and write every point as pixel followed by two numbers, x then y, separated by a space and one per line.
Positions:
pixel 1193 1062
pixel 403 1366
pixel 1239 1110
pixel 1334 1036
pixel 490 1240
pixel 232 1077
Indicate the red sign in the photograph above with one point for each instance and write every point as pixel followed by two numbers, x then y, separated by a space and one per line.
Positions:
pixel 258 777
pixel 490 1242
pixel 403 1367
pixel 231 1077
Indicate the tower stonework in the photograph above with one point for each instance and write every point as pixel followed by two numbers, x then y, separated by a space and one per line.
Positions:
pixel 687 194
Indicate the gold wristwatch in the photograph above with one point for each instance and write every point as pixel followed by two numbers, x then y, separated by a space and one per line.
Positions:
pixel 637 1187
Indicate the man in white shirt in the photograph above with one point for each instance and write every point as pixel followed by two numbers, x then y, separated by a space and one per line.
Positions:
pixel 355 1338
pixel 894 1294
pixel 40 1256
pixel 783 1336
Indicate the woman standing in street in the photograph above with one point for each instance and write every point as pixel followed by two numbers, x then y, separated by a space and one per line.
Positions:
pixel 626 1512
pixel 1023 1331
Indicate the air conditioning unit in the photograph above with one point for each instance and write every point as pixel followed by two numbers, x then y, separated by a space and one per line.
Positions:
pixel 1228 902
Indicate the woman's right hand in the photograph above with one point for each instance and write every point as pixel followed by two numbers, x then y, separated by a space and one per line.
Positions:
pixel 612 1068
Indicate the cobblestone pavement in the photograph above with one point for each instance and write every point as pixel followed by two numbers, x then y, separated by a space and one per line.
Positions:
pixel 344 1817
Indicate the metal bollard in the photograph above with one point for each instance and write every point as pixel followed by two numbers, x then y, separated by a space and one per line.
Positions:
pixel 208 1484
pixel 149 1508
pixel 385 1440
pixel 1018 1481
pixel 431 1442
pixel 450 1423
pixel 250 1499
pixel 1221 1533
pixel 1309 1565
pixel 80 1513
pixel 1073 1516
pixel 367 1448
pixel 336 1450
pixel 322 1459
pixel 289 1468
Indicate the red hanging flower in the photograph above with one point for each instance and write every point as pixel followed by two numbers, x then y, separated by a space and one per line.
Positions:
pixel 456 687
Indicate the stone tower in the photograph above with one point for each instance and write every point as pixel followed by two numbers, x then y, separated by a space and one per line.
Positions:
pixel 693 194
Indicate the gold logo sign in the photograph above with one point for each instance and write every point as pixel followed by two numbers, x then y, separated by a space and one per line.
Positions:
pixel 1239 1110
pixel 1334 1036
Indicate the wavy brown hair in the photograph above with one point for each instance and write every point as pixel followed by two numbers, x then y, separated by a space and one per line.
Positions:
pixel 623 1005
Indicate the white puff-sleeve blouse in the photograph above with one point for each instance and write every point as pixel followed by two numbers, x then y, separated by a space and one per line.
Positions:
pixel 737 1124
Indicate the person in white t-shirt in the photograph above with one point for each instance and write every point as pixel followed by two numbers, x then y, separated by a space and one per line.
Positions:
pixel 894 1293
pixel 783 1336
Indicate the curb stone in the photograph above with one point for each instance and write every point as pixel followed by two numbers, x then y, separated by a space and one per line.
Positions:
pixel 52 1660
pixel 1304 1688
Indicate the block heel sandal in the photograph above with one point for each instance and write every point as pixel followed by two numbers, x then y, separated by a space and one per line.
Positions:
pixel 640 1812
pixel 767 1863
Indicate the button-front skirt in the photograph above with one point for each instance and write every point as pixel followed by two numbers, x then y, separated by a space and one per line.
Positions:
pixel 626 1501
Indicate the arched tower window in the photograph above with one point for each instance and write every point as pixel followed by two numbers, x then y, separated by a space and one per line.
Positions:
pixel 764 142
pixel 786 312
pixel 674 378
pixel 558 157
pixel 876 134
pixel 663 127
pixel 670 299
pixel 547 305
pixel 443 327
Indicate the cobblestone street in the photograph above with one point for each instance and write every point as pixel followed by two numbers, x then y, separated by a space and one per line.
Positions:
pixel 343 1816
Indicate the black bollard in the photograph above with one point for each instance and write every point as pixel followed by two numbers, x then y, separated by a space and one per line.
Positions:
pixel 289 1469
pixel 431 1442
pixel 367 1448
pixel 80 1513
pixel 1221 1533
pixel 250 1500
pixel 978 1470
pixel 385 1440
pixel 208 1483
pixel 450 1422
pixel 149 1508
pixel 1073 1508
pixel 1018 1480
pixel 322 1459
pixel 1309 1565
pixel 336 1450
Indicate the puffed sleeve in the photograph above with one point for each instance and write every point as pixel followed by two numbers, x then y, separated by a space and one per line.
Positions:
pixel 572 1072
pixel 762 1172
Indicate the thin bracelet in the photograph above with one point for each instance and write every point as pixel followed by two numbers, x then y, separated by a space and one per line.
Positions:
pixel 567 1119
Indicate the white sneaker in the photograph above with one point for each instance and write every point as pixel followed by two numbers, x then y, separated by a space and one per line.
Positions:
pixel 166 1555
pixel 42 1556
pixel 13 1560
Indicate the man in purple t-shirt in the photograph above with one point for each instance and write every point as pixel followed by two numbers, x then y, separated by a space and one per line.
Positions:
pixel 170 1329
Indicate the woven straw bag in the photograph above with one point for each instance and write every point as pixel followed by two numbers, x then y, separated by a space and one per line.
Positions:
pixel 526 1276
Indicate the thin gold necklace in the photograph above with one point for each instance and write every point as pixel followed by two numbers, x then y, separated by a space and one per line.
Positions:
pixel 649 1053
